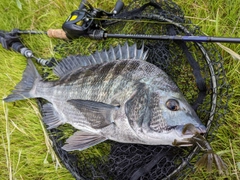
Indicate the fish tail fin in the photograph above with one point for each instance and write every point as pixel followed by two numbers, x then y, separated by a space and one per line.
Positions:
pixel 24 89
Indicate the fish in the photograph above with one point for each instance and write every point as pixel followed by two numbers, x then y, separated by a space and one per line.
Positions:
pixel 209 158
pixel 113 95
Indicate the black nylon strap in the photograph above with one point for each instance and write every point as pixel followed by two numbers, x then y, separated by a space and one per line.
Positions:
pixel 146 168
pixel 200 82
pixel 130 14
pixel 201 85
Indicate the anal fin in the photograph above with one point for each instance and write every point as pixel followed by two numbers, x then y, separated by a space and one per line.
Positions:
pixel 81 140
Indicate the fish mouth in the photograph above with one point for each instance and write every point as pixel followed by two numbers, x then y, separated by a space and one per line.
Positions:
pixel 186 132
pixel 189 129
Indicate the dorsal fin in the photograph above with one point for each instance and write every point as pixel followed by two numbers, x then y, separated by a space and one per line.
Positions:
pixel 118 53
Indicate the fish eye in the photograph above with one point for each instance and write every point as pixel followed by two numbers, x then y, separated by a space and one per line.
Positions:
pixel 172 105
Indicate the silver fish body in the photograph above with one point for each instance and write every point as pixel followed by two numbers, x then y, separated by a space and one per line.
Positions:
pixel 113 95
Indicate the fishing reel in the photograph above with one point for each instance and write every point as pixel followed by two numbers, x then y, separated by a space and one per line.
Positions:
pixel 85 20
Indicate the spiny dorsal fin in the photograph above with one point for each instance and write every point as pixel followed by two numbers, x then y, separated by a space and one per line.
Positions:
pixel 118 53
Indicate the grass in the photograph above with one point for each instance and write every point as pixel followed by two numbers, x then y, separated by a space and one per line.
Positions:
pixel 24 151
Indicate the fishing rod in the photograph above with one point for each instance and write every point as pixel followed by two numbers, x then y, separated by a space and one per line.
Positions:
pixel 101 34
pixel 86 22
pixel 91 22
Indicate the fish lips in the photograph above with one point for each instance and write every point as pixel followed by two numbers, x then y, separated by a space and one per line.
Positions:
pixel 201 129
pixel 186 132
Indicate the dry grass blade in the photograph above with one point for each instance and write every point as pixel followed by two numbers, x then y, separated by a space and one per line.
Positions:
pixel 48 141
pixel 8 146
pixel 230 51
pixel 234 162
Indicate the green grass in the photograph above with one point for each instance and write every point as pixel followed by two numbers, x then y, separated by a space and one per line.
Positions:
pixel 24 151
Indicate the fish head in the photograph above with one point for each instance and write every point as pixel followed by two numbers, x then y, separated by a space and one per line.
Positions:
pixel 166 119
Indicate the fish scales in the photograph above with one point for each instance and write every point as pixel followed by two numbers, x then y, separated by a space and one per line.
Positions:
pixel 113 75
pixel 86 88
pixel 113 94
pixel 103 79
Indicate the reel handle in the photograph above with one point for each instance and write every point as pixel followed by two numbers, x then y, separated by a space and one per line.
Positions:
pixel 82 5
pixel 118 7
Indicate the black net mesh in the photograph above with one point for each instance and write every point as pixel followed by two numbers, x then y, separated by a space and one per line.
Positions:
pixel 195 67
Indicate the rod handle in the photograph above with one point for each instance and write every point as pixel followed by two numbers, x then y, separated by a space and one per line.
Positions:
pixel 57 33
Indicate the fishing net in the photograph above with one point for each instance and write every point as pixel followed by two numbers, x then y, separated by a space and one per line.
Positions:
pixel 195 67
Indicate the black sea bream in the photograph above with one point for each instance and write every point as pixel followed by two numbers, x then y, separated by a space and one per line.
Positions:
pixel 112 94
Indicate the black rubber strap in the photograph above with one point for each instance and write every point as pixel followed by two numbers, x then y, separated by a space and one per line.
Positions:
pixel 201 85
pixel 146 168
pixel 200 82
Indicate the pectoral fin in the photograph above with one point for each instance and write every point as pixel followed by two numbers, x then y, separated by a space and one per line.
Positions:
pixel 97 113
pixel 82 140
